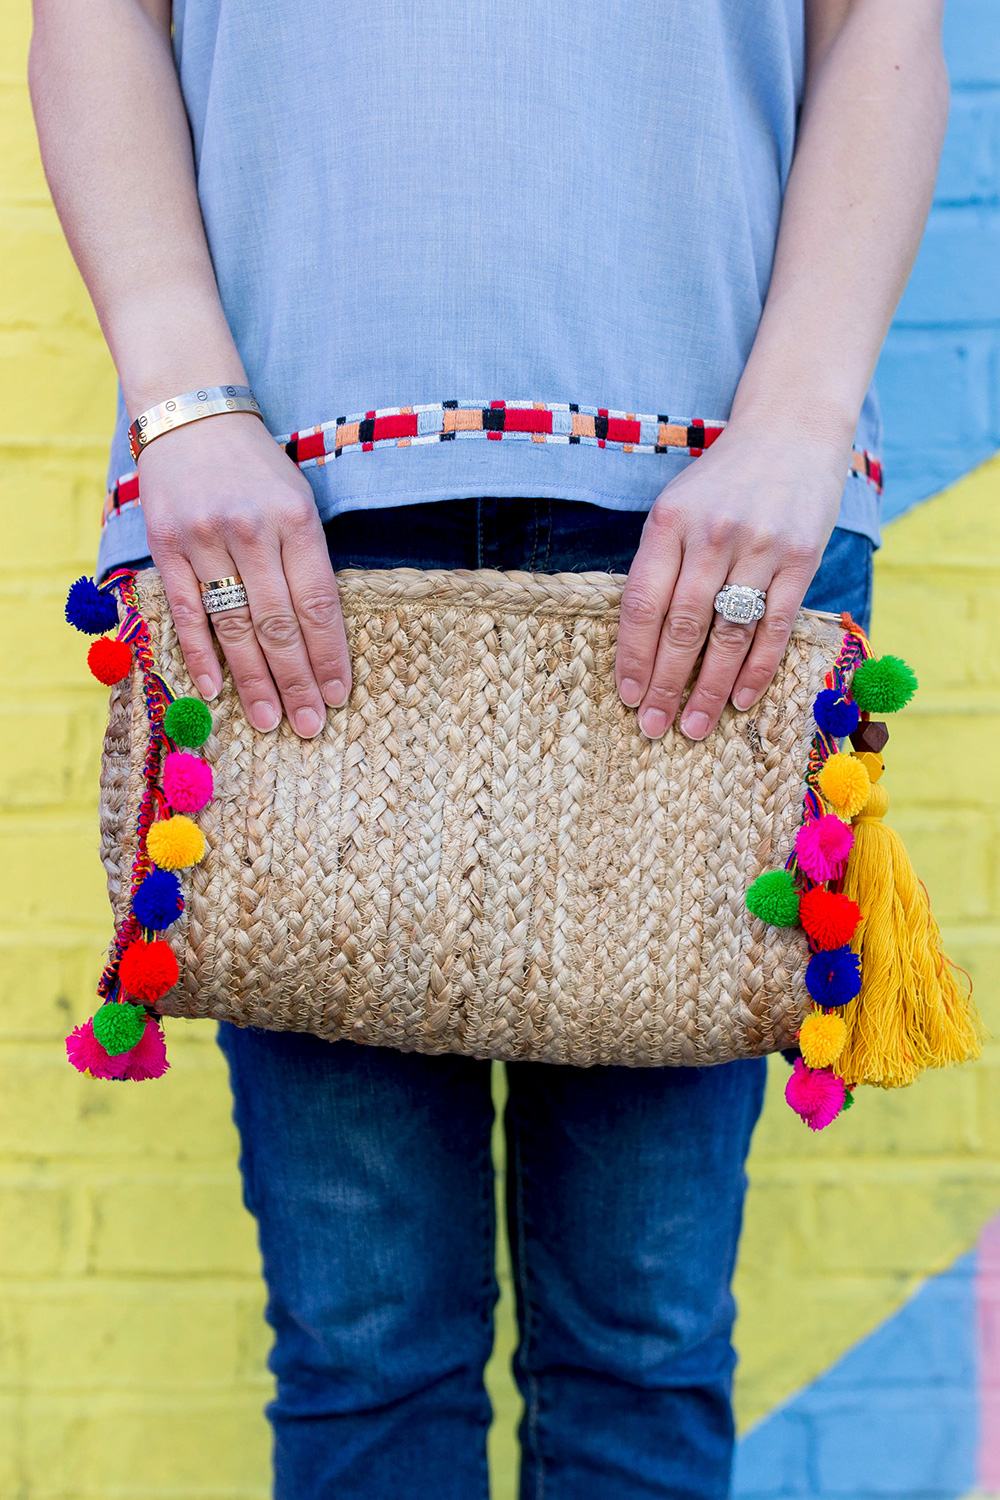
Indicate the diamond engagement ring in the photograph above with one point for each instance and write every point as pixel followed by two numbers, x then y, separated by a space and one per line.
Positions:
pixel 222 594
pixel 739 604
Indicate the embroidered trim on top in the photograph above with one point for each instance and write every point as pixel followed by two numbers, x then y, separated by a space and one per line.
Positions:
pixel 529 421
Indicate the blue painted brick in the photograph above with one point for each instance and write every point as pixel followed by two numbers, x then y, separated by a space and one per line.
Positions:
pixel 772 1459
pixel 970 162
pixel 957 275
pixel 890 1443
pixel 972 41
pixel 934 388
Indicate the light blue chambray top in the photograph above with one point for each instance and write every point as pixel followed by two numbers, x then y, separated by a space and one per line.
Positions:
pixel 415 201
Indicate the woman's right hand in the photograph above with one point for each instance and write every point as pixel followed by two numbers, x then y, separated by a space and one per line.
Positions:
pixel 220 497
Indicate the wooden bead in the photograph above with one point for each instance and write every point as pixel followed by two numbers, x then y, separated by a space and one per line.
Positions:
pixel 871 734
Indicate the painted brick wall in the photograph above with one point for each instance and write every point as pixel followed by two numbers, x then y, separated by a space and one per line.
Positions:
pixel 131 1344
pixel 939 376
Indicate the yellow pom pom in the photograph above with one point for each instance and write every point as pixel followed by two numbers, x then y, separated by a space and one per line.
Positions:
pixel 175 843
pixel 845 784
pixel 821 1040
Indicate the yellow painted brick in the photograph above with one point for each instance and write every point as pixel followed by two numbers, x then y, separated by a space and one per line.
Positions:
pixel 50 872
pixel 61 367
pixel 178 1225
pixel 920 771
pixel 34 1227
pixel 84 1448
pixel 133 1336
pixel 15 33
pixel 13 1480
pixel 936 1117
pixel 964 657
pixel 52 755
pixel 42 287
pixel 21 175
pixel 51 505
pixel 49 1111
pixel 49 651
pixel 901 1225
pixel 43 989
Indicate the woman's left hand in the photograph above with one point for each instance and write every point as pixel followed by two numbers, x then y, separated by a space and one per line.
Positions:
pixel 749 511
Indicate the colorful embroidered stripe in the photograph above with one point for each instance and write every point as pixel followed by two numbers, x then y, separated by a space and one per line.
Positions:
pixel 526 421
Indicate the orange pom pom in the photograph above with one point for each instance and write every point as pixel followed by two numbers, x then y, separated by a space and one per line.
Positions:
pixel 148 970
pixel 828 917
pixel 109 660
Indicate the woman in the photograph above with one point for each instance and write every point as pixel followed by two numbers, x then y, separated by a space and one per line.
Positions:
pixel 635 263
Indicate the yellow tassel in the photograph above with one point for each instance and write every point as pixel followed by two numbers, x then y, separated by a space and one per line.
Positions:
pixel 911 1013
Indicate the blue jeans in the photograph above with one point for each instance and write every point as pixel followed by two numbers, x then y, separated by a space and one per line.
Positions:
pixel 370 1176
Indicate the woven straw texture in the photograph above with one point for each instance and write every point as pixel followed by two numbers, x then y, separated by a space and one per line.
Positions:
pixel 481 853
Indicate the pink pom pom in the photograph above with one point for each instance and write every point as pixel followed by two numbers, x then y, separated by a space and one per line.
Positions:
pixel 816 1094
pixel 822 846
pixel 187 782
pixel 88 1056
pixel 148 1058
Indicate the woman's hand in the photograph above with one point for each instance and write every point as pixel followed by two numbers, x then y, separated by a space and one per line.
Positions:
pixel 221 497
pixel 749 511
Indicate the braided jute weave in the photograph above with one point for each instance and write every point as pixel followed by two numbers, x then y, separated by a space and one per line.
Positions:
pixel 481 853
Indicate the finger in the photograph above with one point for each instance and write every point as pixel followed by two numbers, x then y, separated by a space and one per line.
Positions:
pixel 681 638
pixel 770 641
pixel 728 643
pixel 236 635
pixel 193 632
pixel 279 637
pixel 313 591
pixel 645 599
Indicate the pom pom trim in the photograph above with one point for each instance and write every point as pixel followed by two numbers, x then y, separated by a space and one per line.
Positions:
pixel 140 965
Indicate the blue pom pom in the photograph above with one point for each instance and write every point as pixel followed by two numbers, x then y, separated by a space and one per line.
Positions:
pixel 89 609
pixel 834 977
pixel 158 901
pixel 835 715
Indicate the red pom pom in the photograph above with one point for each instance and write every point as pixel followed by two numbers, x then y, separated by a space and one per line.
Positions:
pixel 109 660
pixel 148 970
pixel 828 918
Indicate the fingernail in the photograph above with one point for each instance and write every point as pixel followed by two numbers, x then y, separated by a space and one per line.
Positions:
pixel 307 723
pixel 695 725
pixel 335 693
pixel 744 698
pixel 207 688
pixel 630 692
pixel 264 716
pixel 653 723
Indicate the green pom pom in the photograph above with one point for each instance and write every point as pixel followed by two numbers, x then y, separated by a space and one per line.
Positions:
pixel 774 899
pixel 188 721
pixel 883 684
pixel 848 1099
pixel 119 1027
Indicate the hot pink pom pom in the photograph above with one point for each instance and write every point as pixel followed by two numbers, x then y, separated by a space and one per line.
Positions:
pixel 816 1094
pixel 148 1058
pixel 88 1056
pixel 187 782
pixel 822 846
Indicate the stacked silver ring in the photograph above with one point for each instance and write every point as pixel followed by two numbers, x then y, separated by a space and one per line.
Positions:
pixel 222 594
pixel 740 604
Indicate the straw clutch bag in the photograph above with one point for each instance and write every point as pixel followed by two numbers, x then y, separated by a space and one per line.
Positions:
pixel 481 853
